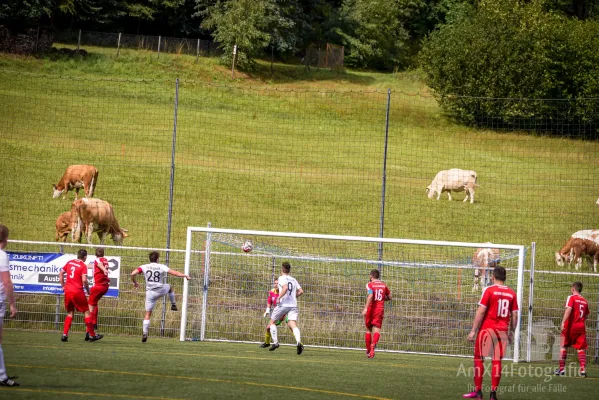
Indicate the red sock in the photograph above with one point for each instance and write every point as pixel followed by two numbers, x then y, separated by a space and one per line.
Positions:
pixel 562 359
pixel 582 358
pixel 90 326
pixel 95 316
pixel 479 370
pixel 67 324
pixel 495 374
pixel 368 339
pixel 375 338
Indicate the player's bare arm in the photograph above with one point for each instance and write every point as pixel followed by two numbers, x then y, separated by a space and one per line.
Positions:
pixel 566 317
pixel 133 273
pixel 299 292
pixel 85 282
pixel 10 292
pixel 368 301
pixel 478 319
pixel 513 324
pixel 388 297
pixel 283 292
pixel 61 278
pixel 179 274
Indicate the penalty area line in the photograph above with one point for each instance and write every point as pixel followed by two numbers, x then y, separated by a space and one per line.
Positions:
pixel 192 378
pixel 67 392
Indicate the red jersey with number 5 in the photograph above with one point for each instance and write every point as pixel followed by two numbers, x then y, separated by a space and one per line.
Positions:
pixel 578 316
pixel 379 291
pixel 74 270
pixel 500 301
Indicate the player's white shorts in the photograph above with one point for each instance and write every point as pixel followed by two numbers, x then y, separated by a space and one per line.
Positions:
pixel 279 312
pixel 153 295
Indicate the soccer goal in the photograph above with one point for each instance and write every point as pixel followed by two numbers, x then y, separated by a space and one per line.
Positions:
pixel 432 283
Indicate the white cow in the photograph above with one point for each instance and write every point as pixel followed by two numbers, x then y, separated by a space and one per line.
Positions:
pixel 456 180
pixel 483 260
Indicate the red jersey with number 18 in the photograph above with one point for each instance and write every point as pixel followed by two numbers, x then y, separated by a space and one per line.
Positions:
pixel 74 269
pixel 499 301
pixel 379 291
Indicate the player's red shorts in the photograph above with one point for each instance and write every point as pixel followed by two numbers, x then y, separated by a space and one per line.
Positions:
pixel 96 293
pixel 576 339
pixel 374 318
pixel 491 343
pixel 75 301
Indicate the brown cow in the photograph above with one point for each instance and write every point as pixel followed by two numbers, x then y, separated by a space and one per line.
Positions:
pixel 77 177
pixel 582 247
pixel 63 226
pixel 484 259
pixel 564 254
pixel 95 215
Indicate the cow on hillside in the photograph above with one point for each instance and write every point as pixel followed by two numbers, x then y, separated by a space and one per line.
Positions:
pixel 456 180
pixel 484 259
pixel 581 248
pixel 63 226
pixel 95 215
pixel 563 254
pixel 77 177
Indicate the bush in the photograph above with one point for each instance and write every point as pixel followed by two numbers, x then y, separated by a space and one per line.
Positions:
pixel 482 69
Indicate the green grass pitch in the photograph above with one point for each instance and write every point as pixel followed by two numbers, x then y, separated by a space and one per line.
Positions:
pixel 123 367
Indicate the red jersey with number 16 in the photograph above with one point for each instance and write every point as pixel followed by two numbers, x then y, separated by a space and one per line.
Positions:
pixel 74 269
pixel 499 301
pixel 379 291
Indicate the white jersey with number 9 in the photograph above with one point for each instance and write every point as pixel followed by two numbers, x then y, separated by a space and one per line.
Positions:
pixel 290 297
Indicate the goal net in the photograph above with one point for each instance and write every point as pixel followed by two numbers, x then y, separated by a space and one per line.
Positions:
pixel 432 284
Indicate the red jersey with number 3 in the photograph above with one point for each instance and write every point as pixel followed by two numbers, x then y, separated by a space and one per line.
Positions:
pixel 499 301
pixel 100 278
pixel 74 270
pixel 578 316
pixel 379 291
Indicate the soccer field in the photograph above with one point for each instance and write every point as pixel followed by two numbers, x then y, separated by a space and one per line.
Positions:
pixel 123 367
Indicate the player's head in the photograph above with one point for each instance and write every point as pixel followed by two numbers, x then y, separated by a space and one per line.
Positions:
pixel 82 254
pixel 499 274
pixel 276 282
pixel 577 286
pixel 100 252
pixel 375 274
pixel 154 256
pixel 285 267
pixel 3 236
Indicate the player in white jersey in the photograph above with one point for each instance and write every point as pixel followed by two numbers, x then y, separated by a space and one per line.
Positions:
pixel 6 293
pixel 154 274
pixel 289 291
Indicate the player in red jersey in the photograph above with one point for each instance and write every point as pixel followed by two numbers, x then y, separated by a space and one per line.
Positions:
pixel 497 317
pixel 75 272
pixel 574 330
pixel 374 310
pixel 101 284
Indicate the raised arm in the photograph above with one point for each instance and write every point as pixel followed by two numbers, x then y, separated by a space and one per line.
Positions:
pixel 179 274
pixel 133 274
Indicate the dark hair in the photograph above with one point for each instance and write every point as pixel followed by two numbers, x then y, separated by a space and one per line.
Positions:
pixel 286 267
pixel 100 252
pixel 577 286
pixel 499 273
pixel 3 233
pixel 81 254
pixel 375 273
pixel 154 256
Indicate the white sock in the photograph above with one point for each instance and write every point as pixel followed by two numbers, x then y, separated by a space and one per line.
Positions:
pixel 171 295
pixel 273 333
pixel 296 333
pixel 3 375
pixel 146 325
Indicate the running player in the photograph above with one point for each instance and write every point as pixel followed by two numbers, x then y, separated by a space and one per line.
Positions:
pixel 271 302
pixel 497 316
pixel 101 284
pixel 6 293
pixel 75 272
pixel 374 310
pixel 289 291
pixel 154 274
pixel 574 330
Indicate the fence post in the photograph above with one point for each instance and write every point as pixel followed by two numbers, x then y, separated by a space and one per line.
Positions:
pixel 159 39
pixel 37 39
pixel 597 337
pixel 171 198
pixel 79 40
pixel 384 182
pixel 233 63
pixel 198 52
pixel 533 250
pixel 118 46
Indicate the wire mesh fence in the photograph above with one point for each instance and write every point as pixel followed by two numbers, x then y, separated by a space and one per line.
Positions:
pixel 332 56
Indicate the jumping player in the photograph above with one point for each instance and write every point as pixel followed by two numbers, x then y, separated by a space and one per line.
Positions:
pixel 101 284
pixel 75 272
pixel 154 274
pixel 374 310
pixel 289 291
pixel 6 293
pixel 497 316
pixel 574 330
pixel 271 303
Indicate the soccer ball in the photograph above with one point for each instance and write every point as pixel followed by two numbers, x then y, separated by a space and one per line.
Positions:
pixel 247 246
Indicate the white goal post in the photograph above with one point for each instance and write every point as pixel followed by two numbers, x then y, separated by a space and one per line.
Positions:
pixel 432 283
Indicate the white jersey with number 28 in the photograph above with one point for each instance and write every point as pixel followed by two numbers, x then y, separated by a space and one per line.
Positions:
pixel 154 274
pixel 290 297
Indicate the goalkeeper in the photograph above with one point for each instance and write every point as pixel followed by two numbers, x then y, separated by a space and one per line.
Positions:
pixel 271 302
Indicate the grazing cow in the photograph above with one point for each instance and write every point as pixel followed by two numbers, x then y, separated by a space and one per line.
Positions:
pixel 456 180
pixel 483 260
pixel 584 247
pixel 597 202
pixel 77 177
pixel 63 226
pixel 564 254
pixel 95 215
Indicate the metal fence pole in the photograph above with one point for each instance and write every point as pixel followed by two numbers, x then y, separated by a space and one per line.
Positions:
pixel 118 46
pixel 79 40
pixel 171 198
pixel 159 39
pixel 57 312
pixel 531 289
pixel 384 183
pixel 198 52
pixel 597 335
